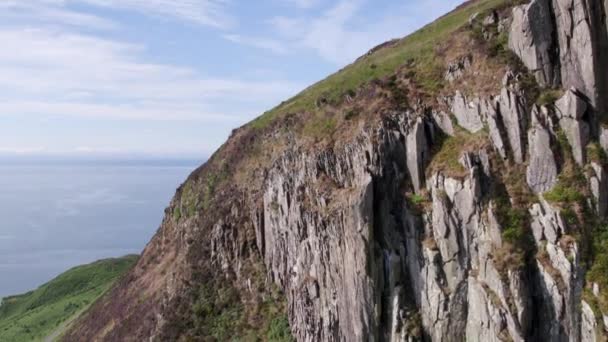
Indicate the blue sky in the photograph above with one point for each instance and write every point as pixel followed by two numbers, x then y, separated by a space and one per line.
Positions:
pixel 172 78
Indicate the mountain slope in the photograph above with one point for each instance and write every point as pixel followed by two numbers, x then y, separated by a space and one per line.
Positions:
pixel 35 315
pixel 447 186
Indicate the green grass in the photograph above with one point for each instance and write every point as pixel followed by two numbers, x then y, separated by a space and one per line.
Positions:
pixel 37 314
pixel 417 49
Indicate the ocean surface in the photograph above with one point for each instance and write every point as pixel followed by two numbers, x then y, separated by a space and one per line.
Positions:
pixel 58 214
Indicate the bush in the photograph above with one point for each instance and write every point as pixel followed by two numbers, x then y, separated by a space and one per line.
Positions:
pixel 564 194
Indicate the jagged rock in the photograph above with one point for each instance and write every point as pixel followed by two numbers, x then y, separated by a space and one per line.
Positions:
pixel 512 108
pixel 599 188
pixel 531 38
pixel 417 148
pixel 541 173
pixel 578 40
pixel 571 109
pixel 547 223
pixel 553 310
pixel 604 138
pixel 491 19
pixel 495 131
pixel 457 68
pixel 487 316
pixel 473 18
pixel 444 122
pixel 588 323
pixel 467 113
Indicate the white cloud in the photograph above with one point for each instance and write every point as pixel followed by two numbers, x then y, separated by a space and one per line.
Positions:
pixel 205 12
pixel 347 30
pixel 213 13
pixel 54 72
pixel 49 13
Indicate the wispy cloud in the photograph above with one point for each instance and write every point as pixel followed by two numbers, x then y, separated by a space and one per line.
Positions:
pixel 205 12
pixel 345 31
pixel 57 72
pixel 51 13
pixel 213 13
pixel 305 4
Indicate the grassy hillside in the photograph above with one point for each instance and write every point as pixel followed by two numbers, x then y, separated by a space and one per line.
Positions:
pixel 416 49
pixel 37 314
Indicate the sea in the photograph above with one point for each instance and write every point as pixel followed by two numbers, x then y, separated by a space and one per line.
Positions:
pixel 57 214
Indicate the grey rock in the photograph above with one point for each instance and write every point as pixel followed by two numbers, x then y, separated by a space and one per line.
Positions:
pixel 495 128
pixel 541 174
pixel 417 149
pixel 598 183
pixel 467 113
pixel 571 109
pixel 577 41
pixel 491 19
pixel 512 108
pixel 547 223
pixel 603 133
pixel 457 68
pixel 444 122
pixel 588 323
pixel 531 38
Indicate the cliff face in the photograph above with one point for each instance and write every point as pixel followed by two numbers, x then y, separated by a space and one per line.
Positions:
pixel 458 200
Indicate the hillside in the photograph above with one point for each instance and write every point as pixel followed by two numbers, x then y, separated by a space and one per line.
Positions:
pixel 447 186
pixel 37 314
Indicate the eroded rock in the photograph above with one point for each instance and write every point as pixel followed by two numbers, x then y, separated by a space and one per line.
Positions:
pixel 542 171
pixel 571 109
pixel 531 38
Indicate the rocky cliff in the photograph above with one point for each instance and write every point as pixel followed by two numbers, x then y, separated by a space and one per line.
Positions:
pixel 447 186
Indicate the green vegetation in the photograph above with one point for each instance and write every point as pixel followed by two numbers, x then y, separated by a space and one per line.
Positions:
pixel 197 195
pixel 572 184
pixel 417 199
pixel 219 313
pixel 596 153
pixel 598 268
pixel 448 151
pixel 564 192
pixel 39 313
pixel 279 330
pixel 418 50
pixel 548 97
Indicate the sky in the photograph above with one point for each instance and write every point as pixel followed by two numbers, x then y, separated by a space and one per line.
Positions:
pixel 172 78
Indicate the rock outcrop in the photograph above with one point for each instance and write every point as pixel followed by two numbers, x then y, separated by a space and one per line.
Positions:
pixel 564 42
pixel 571 109
pixel 542 170
pixel 532 39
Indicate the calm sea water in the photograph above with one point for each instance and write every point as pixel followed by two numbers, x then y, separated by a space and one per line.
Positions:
pixel 56 215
